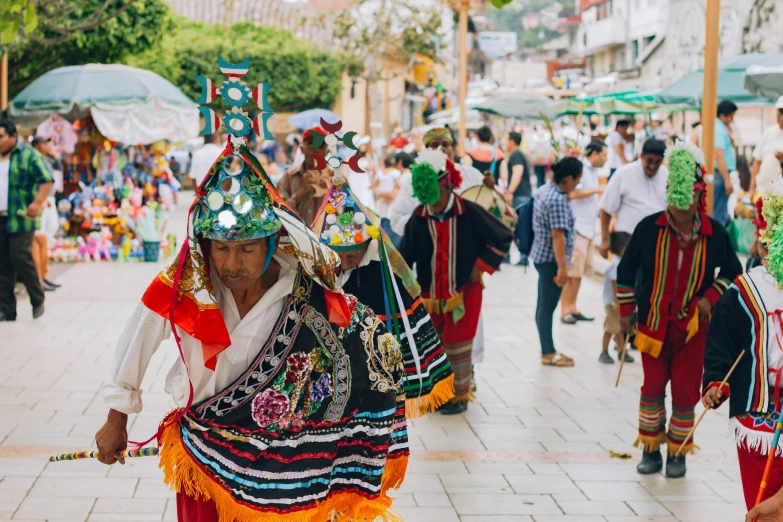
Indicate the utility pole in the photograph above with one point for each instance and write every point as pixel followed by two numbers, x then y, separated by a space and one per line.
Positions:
pixel 4 83
pixel 709 102
pixel 462 6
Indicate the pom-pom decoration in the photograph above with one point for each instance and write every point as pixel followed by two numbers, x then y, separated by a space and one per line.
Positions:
pixel 775 256
pixel 435 157
pixel 373 232
pixel 424 180
pixel 682 177
pixel 454 175
pixel 771 213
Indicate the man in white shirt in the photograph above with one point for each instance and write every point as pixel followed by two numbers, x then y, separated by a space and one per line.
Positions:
pixel 634 192
pixel 204 157
pixel 584 205
pixel 620 144
pixel 767 157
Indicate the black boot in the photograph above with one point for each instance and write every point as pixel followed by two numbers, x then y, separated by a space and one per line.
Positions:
pixel 453 408
pixel 675 466
pixel 651 463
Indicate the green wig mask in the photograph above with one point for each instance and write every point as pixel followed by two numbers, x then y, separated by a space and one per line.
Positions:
pixel 684 163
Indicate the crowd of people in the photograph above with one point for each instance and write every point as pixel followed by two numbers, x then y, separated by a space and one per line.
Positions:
pixel 289 355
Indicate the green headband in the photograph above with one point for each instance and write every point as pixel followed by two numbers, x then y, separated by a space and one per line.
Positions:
pixel 440 133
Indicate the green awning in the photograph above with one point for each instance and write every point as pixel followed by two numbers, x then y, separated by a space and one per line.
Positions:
pixel 688 90
pixel 519 105
pixel 623 102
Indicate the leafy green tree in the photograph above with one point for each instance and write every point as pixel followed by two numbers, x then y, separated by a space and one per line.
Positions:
pixel 66 36
pixel 302 75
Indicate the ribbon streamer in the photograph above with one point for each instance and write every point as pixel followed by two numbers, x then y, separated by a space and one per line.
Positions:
pixel 124 454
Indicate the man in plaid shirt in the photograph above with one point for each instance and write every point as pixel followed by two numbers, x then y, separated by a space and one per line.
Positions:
pixel 25 182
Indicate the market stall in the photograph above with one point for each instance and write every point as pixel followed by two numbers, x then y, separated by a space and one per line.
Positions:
pixel 110 127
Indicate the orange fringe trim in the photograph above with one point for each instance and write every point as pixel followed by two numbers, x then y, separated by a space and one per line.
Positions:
pixel 441 394
pixel 646 344
pixel 649 444
pixel 182 475
pixel 466 397
pixel 689 448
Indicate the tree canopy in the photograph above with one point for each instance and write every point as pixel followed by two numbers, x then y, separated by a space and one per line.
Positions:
pixel 302 76
pixel 135 25
pixel 372 32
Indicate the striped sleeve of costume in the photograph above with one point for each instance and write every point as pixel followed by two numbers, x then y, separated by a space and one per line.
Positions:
pixel 626 275
pixel 727 334
pixel 496 235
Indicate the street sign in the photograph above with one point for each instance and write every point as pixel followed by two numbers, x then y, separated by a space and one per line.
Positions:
pixel 496 44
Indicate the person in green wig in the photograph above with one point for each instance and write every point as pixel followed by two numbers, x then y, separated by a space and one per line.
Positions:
pixel 686 262
pixel 452 242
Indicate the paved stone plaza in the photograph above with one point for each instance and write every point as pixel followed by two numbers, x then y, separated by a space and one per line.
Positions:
pixel 535 446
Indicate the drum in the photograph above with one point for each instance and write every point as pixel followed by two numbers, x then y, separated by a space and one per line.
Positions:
pixel 492 201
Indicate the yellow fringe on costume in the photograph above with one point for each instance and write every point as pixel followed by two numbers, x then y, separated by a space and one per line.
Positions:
pixel 465 397
pixel 649 444
pixel 437 306
pixel 440 395
pixel 646 344
pixel 689 448
pixel 182 475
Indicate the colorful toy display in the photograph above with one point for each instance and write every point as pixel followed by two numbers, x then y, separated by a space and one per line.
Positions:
pixel 115 199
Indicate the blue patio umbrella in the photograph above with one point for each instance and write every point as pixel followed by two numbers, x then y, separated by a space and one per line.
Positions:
pixel 312 118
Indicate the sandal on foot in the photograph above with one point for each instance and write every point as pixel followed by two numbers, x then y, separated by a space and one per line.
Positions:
pixel 559 360
pixel 568 319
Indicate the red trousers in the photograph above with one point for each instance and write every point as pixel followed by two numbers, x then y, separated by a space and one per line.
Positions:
pixel 458 339
pixel 464 329
pixel 682 363
pixel 752 464
pixel 192 510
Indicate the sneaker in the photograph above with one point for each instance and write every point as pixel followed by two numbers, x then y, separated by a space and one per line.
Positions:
pixel 38 311
pixel 628 357
pixel 605 358
pixel 652 463
pixel 454 408
pixel 675 466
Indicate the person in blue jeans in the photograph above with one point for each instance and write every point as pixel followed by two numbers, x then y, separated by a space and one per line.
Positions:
pixel 517 178
pixel 553 243
pixel 725 161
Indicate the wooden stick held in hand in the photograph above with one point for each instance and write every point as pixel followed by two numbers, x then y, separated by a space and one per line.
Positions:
pixel 622 360
pixel 690 433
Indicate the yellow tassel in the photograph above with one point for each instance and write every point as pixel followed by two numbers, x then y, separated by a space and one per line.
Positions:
pixel 465 397
pixel 672 449
pixel 436 306
pixel 182 475
pixel 646 344
pixel 440 395
pixel 649 444
pixel 693 326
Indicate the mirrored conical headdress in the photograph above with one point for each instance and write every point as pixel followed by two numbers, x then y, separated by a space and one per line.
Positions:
pixel 343 222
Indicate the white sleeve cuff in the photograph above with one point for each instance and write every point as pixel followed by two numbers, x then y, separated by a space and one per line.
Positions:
pixel 121 399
